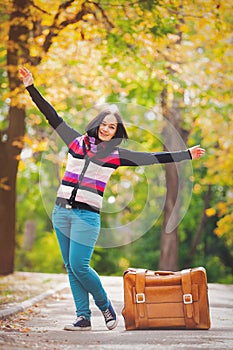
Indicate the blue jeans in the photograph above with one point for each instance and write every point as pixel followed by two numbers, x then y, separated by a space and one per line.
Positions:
pixel 77 231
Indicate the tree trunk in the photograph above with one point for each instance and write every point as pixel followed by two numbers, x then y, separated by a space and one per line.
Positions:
pixel 169 239
pixel 11 141
pixel 9 158
pixel 203 222
pixel 29 234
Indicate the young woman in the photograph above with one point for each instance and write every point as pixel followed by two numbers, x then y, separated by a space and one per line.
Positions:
pixel 92 158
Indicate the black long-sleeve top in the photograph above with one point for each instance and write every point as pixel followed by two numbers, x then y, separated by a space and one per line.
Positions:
pixel 127 157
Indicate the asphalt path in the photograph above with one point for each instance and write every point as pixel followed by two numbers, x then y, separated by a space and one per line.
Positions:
pixel 41 326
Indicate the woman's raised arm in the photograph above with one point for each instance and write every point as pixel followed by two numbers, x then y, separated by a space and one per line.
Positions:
pixel 67 133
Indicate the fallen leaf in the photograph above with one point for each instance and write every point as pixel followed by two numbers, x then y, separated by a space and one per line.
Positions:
pixel 25 330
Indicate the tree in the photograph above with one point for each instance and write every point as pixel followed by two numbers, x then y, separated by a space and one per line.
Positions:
pixel 190 45
pixel 26 32
pixel 209 95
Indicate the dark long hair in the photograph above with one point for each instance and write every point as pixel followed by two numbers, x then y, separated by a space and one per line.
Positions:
pixel 121 133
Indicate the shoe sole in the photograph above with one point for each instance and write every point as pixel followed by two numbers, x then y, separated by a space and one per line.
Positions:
pixel 113 326
pixel 72 328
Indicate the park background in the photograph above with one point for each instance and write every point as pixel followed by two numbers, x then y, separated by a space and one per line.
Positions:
pixel 173 59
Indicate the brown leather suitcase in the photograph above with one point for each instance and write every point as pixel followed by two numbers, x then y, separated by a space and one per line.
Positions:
pixel 166 299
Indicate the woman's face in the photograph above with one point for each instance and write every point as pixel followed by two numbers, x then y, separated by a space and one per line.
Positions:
pixel 107 128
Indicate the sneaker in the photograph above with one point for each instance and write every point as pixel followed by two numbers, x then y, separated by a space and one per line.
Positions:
pixel 80 324
pixel 110 317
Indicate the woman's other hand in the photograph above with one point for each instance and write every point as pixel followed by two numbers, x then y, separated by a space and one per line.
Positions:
pixel 196 152
pixel 26 76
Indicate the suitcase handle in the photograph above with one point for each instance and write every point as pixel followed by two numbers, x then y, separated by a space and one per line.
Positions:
pixel 163 273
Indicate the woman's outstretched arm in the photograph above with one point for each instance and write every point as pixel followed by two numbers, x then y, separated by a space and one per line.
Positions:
pixel 67 133
pixel 131 158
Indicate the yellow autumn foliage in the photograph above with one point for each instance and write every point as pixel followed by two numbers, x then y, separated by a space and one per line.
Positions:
pixel 210 212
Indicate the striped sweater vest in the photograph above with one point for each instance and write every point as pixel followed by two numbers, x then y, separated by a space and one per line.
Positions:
pixel 96 176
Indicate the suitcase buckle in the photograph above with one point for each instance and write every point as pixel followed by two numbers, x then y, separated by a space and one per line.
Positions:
pixel 187 298
pixel 140 298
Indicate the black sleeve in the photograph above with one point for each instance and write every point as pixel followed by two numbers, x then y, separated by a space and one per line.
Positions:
pixel 67 133
pixel 131 158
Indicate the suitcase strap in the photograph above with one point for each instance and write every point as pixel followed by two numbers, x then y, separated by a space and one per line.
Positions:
pixel 187 298
pixel 142 320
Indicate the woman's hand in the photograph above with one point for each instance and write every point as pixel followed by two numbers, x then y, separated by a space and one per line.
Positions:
pixel 196 152
pixel 26 76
